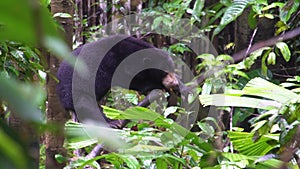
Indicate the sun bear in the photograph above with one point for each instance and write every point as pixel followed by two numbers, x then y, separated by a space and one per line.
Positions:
pixel 125 61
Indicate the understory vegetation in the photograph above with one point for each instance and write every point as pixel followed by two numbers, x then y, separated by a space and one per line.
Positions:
pixel 245 78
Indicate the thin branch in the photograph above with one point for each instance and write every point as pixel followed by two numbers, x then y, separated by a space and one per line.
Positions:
pixel 95 152
pixel 270 42
pixel 251 41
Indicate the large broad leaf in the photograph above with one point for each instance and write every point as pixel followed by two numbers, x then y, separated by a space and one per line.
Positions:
pixel 19 21
pixel 244 144
pixel 20 98
pixel 263 88
pixel 81 135
pixel 264 163
pixel 233 11
pixel 118 160
pixel 12 154
pixel 141 113
pixel 76 137
pixel 236 101
pixel 135 113
pixel 255 87
pixel 16 21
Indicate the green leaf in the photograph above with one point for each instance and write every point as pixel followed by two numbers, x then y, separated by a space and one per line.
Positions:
pixel 285 51
pixel 232 12
pixel 60 158
pixel 20 98
pixel 263 88
pixel 273 5
pixel 264 67
pixel 198 6
pixel 12 149
pixel 207 57
pixel 76 137
pixel 157 22
pixel 170 110
pixel 255 87
pixel 130 161
pixel 224 58
pixel 264 162
pixel 252 20
pixel 206 88
pixel 134 113
pixel 81 135
pixel 146 148
pixel 268 15
pixel 45 2
pixel 173 159
pixel 286 137
pixel 215 17
pixel 62 15
pixel 249 61
pixel 290 7
pixel 17 22
pixel 259 125
pixel 271 60
pixel 206 128
pixel 235 101
pixel 161 163
pixel 242 142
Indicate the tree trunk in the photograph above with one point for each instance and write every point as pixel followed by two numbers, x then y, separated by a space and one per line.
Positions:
pixel 243 32
pixel 29 137
pixel 56 114
pixel 244 35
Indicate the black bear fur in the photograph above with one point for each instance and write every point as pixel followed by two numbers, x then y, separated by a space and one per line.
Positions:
pixel 143 82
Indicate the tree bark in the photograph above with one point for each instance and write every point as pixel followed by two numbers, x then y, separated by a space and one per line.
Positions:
pixel 29 136
pixel 56 114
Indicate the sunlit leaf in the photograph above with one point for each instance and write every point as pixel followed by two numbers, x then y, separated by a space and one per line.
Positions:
pixel 290 7
pixel 266 89
pixel 160 163
pixel 206 88
pixel 138 113
pixel 62 15
pixel 60 158
pixel 147 148
pixel 81 135
pixel 267 15
pixel 170 110
pixel 235 101
pixel 232 12
pixel 285 51
pixel 198 6
pixel 271 58
pixel 244 144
